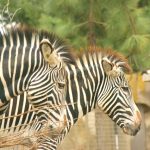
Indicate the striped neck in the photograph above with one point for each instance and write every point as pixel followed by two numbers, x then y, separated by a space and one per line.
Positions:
pixel 19 59
pixel 97 76
pixel 83 84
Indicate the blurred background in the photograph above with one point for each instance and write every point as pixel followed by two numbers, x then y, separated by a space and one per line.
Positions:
pixel 123 25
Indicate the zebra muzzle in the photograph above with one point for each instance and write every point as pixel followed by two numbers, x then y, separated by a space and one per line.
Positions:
pixel 132 128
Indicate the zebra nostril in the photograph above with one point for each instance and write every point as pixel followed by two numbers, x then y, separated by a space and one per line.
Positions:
pixel 127 125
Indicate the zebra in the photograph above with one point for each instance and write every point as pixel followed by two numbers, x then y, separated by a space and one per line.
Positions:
pixel 97 80
pixel 31 61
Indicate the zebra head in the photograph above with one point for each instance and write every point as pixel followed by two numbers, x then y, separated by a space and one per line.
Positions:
pixel 116 98
pixel 57 64
pixel 51 99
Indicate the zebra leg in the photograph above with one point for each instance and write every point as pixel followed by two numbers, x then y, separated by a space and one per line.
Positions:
pixel 3 107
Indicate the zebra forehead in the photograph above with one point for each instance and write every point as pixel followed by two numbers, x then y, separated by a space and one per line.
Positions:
pixel 62 48
pixel 113 56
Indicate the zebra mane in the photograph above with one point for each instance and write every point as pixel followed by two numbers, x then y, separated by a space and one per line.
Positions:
pixel 113 56
pixel 60 46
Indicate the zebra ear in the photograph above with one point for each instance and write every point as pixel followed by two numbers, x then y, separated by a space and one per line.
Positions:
pixel 109 68
pixel 48 52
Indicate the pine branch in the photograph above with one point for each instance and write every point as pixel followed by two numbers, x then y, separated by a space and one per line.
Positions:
pixel 131 20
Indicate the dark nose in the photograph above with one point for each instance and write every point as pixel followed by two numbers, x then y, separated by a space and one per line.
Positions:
pixel 136 131
pixel 131 129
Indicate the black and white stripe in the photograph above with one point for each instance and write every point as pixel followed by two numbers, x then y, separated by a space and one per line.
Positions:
pixel 23 67
pixel 91 82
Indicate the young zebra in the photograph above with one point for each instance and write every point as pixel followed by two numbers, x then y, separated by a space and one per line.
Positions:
pixel 97 80
pixel 32 61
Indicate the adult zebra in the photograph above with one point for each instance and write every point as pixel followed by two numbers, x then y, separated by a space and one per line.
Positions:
pixel 97 79
pixel 31 61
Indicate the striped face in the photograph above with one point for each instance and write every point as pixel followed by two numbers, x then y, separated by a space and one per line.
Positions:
pixel 49 102
pixel 54 91
pixel 59 87
pixel 56 100
pixel 115 99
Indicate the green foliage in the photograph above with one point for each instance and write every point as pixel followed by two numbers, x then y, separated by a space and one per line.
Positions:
pixel 120 24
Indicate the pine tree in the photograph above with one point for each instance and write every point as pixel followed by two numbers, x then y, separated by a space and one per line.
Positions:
pixel 122 25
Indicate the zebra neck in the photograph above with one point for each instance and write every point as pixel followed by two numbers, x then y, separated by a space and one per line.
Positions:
pixel 81 89
pixel 19 59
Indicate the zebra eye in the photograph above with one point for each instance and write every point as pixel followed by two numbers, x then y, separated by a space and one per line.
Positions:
pixel 125 89
pixel 61 85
